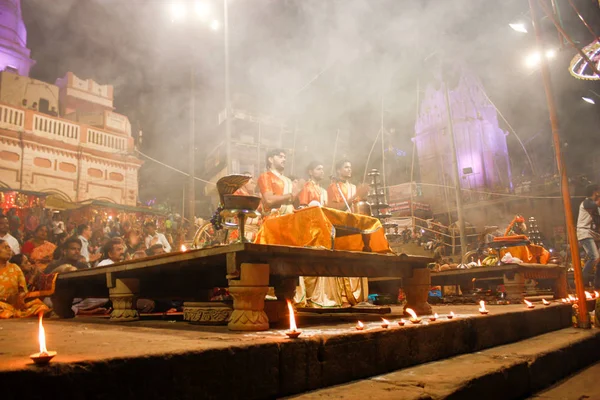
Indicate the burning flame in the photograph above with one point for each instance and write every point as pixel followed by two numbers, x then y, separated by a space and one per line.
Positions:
pixel 546 302
pixel 183 248
pixel 42 338
pixel 384 321
pixel 412 313
pixel 588 295
pixel 452 314
pixel 564 300
pixel 529 304
pixel 482 306
pixel 293 326
pixel 360 325
pixel 596 294
pixel 435 316
pixel 572 298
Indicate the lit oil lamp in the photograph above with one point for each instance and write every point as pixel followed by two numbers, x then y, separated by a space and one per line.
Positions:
pixel 435 316
pixel 183 248
pixel 588 295
pixel 360 326
pixel 528 304
pixel 413 316
pixel 401 322
pixel 44 356
pixel 545 302
pixel 293 333
pixel 384 323
pixel 572 298
pixel 482 309
pixel 451 315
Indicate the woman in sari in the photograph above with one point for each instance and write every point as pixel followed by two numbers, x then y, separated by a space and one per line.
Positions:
pixel 40 236
pixel 13 289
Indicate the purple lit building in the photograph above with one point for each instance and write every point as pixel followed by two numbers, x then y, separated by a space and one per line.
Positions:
pixel 14 54
pixel 481 146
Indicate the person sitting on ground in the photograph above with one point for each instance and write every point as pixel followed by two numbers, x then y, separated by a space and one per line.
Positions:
pixel 13 289
pixel 71 257
pixel 7 237
pixel 112 252
pixel 40 236
pixel 42 255
pixel 156 238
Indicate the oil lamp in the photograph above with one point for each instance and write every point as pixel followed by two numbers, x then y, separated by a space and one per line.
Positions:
pixel 293 333
pixel 413 316
pixel 482 309
pixel 435 316
pixel 360 326
pixel 528 304
pixel 44 356
pixel 401 322
pixel 545 302
pixel 451 315
pixel 384 323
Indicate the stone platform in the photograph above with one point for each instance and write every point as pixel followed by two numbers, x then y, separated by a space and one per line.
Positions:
pixel 176 360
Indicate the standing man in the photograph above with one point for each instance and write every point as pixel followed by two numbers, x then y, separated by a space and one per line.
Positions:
pixel 156 238
pixel 7 237
pixel 278 192
pixel 312 193
pixel 588 224
pixel 342 194
pixel 84 233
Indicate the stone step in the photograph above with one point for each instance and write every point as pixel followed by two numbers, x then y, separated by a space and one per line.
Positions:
pixel 120 361
pixel 511 371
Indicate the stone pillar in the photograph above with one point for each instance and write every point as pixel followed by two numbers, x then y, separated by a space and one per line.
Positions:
pixel 417 290
pixel 514 284
pixel 248 294
pixel 124 298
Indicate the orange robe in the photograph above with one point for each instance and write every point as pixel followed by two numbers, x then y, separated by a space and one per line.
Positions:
pixel 348 190
pixel 312 191
pixel 252 224
pixel 12 283
pixel 274 182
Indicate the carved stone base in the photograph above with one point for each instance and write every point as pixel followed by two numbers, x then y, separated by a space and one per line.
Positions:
pixel 207 313
pixel 417 291
pixel 514 284
pixel 124 298
pixel 248 308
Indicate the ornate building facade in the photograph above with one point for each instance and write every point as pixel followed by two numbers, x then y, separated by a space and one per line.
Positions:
pixel 63 139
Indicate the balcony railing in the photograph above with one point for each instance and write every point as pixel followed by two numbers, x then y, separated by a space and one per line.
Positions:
pixel 105 141
pixel 16 119
pixel 55 129
pixel 12 118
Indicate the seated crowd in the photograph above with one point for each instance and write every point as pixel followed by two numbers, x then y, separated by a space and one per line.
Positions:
pixel 27 268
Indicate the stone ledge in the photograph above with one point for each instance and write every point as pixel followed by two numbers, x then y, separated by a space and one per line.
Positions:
pixel 505 372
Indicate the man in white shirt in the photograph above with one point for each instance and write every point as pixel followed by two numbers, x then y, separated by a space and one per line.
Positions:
pixel 155 237
pixel 7 237
pixel 84 233
pixel 113 250
pixel 588 222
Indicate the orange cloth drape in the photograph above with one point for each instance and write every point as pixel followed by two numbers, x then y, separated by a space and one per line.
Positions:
pixel 530 254
pixel 319 226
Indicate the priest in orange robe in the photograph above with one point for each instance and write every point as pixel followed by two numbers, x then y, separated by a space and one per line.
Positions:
pixel 312 193
pixel 278 191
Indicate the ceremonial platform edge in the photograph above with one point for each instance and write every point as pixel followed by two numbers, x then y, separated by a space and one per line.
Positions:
pixel 247 269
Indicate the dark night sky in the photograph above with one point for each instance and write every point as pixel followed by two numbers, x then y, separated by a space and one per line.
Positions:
pixel 366 48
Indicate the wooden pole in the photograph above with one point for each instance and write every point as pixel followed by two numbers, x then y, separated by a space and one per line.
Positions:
pixel 571 233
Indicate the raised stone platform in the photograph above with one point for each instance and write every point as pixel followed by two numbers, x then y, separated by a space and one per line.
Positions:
pixel 175 360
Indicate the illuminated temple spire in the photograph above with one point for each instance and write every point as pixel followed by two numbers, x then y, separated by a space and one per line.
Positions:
pixel 14 54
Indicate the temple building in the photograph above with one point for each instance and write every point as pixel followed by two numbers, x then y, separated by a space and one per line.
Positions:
pixel 63 139
pixel 481 147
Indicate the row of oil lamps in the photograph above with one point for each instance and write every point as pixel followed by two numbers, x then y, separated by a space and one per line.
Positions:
pixel 44 356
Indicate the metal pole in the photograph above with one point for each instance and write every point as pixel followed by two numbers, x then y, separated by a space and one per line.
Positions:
pixel 228 110
pixel 571 233
pixel 191 195
pixel 459 205
pixel 383 153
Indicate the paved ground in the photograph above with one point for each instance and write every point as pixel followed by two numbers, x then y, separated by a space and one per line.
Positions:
pixel 94 338
pixel 582 385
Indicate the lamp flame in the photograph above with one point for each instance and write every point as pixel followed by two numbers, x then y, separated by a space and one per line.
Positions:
pixel 42 337
pixel 546 302
pixel 482 308
pixel 183 248
pixel 588 295
pixel 412 313
pixel 360 326
pixel 529 304
pixel 384 323
pixel 293 327
pixel 451 315
pixel 596 294
pixel 572 298
pixel 564 300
